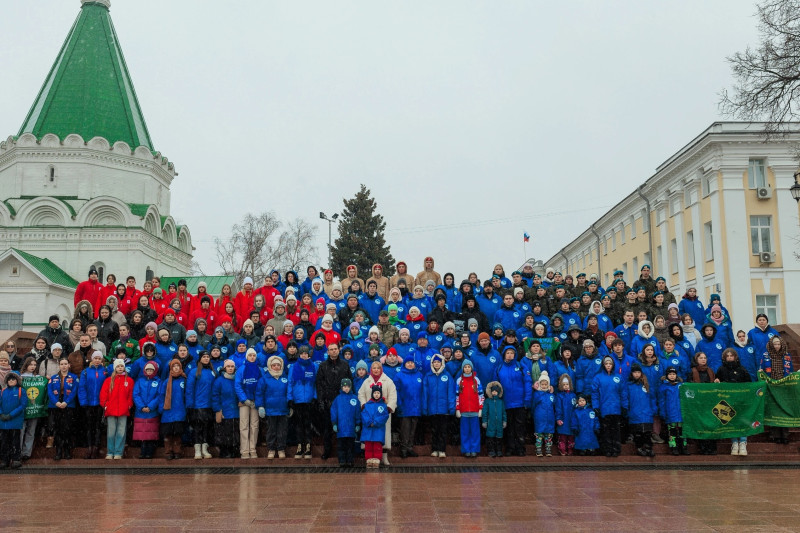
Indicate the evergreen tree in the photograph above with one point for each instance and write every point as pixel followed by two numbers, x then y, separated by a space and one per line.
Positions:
pixel 361 241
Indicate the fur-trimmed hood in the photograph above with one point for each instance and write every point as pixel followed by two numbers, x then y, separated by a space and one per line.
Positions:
pixel 494 385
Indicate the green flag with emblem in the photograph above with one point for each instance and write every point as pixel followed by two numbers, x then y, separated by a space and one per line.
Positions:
pixel 722 410
pixel 782 401
pixel 36 389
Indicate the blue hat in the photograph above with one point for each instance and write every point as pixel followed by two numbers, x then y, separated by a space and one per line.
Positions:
pixel 645 266
pixel 660 278
pixel 465 363
pixel 361 364
pixel 422 334
pixel 241 341
pixel 190 333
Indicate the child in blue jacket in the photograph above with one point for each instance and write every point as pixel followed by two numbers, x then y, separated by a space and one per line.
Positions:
pixel 639 400
pixel 303 391
pixel 146 420
pixel 13 401
pixel 89 385
pixel 374 416
pixel 438 403
pixel 226 410
pixel 494 418
pixel 62 391
pixel 585 424
pixel 346 420
pixel 565 405
pixel 272 402
pixel 198 401
pixel 544 415
pixel 669 407
pixel 172 397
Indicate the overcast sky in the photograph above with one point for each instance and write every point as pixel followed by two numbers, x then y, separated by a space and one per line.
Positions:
pixel 471 122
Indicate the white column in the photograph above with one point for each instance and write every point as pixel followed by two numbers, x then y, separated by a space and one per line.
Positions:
pixel 737 233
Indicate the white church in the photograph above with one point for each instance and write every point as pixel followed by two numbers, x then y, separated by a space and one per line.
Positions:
pixel 82 184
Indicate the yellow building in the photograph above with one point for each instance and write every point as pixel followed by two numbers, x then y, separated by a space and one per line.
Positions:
pixel 717 216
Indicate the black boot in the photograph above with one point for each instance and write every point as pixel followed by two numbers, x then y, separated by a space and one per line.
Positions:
pixel 68 453
pixel 684 447
pixel 58 454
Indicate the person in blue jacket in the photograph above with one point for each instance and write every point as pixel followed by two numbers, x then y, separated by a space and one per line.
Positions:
pixel 409 405
pixel 226 410
pixel 245 384
pixel 639 401
pixel 723 323
pixel 146 416
pixel 672 356
pixel 148 354
pixel 712 344
pixel 438 403
pixel 584 426
pixel 198 401
pixel 669 407
pixel 508 316
pixel 89 386
pixel 543 406
pixel 587 367
pixel 682 344
pixel 302 392
pixel 570 317
pixel 272 402
pixel 423 355
pixel 690 304
pixel 374 415
pixel 62 393
pixel 565 405
pixel 239 354
pixel 220 339
pixel 311 275
pixel 607 402
pixel 644 335
pixel 518 391
pixel 13 401
pixel 760 335
pixel 166 350
pixel 627 330
pixel 485 359
pixel 172 396
pixel 746 351
pixel 346 420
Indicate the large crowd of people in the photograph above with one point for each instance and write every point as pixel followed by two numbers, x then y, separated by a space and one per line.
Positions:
pixel 558 361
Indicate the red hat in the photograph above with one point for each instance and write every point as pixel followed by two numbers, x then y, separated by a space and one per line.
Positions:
pixel 610 334
pixel 225 318
pixel 169 311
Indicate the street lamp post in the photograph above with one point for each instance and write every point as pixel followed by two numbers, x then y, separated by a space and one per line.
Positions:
pixel 795 189
pixel 330 220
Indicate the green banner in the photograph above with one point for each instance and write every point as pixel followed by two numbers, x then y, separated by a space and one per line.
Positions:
pixel 36 389
pixel 722 410
pixel 782 402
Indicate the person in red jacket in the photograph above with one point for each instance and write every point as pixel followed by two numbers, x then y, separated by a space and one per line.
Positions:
pixel 187 300
pixel 243 302
pixel 116 398
pixel 326 328
pixel 202 290
pixel 89 290
pixel 158 302
pixel 109 289
pixel 205 311
pixel 225 296
pixel 269 292
pixel 130 300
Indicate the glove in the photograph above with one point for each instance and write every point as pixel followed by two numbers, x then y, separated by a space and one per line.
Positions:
pixel 262 413
pixel 335 429
pixel 358 428
pixel 219 417
pixel 249 403
pixel 5 417
pixel 458 413
pixel 505 424
pixel 480 413
pixel 485 425
pixel 291 412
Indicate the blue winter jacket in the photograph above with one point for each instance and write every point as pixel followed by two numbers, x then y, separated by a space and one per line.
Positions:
pixel 639 403
pixel 565 406
pixel 586 368
pixel 438 393
pixel 164 354
pixel 70 390
pixel 669 401
pixel 146 393
pixel 373 306
pixel 198 390
pixel 679 361
pixel 246 388
pixel 409 392
pixel 90 384
pixel 346 414
pixel 638 343
pixel 177 410
pixel 489 306
pixel 560 368
pixel 509 318
pixel 516 382
pixel 712 346
pixel 627 335
pixel 694 308
pixel 544 411
pixel 13 401
pixel 423 304
pixel 748 359
pixel 584 425
pixel 137 368
pixel 759 339
pixel 223 397
pixel 273 395
pixel 604 323
pixel 486 364
pixel 607 392
pixel 303 391
pixel 373 421
pixel 653 373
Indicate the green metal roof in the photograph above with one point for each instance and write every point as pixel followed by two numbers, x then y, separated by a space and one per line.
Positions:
pixel 89 90
pixel 213 283
pixel 140 210
pixel 48 269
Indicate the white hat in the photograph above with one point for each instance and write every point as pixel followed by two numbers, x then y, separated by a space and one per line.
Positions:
pixel 247 280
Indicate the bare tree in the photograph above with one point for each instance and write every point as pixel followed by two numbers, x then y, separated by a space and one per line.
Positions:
pixel 250 250
pixel 767 83
pixel 197 270
pixel 257 245
pixel 296 250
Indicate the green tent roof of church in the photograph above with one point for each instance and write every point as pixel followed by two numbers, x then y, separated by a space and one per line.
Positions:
pixel 89 90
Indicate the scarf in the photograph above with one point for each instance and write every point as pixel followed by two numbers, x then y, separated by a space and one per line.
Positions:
pixel 719 320
pixel 772 355
pixel 173 373
pixel 696 371
pixel 302 371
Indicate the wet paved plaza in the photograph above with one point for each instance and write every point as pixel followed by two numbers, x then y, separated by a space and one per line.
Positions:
pixel 734 500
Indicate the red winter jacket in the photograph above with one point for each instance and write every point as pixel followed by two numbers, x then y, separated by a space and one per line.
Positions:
pixel 90 291
pixel 470 397
pixel 119 401
pixel 243 303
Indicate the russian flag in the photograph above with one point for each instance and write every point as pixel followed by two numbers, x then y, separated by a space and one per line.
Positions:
pixel 526 237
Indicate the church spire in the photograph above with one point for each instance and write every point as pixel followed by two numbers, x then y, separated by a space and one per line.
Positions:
pixel 89 90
